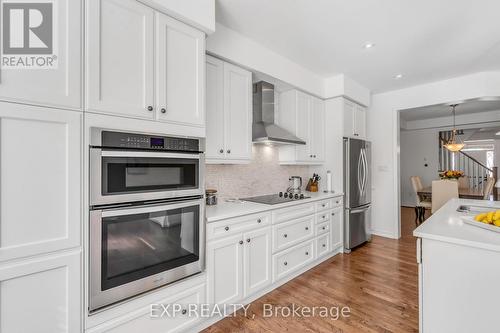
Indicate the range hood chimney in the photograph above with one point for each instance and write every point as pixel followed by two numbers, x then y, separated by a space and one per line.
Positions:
pixel 264 130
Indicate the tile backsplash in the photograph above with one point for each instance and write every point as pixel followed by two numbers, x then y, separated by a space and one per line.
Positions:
pixel 264 175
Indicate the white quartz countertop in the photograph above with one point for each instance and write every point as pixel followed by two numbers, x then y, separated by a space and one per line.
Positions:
pixel 447 226
pixel 225 210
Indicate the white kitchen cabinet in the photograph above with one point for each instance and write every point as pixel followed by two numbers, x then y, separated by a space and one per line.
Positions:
pixel 143 64
pixel 336 227
pixel 239 265
pixel 354 120
pixel 257 260
pixel 225 270
pixel 229 113
pixel 304 116
pixel 42 295
pixel 120 58
pixel 40 173
pixel 180 72
pixel 60 86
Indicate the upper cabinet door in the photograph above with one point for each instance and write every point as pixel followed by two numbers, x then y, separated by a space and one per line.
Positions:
pixel 318 130
pixel 181 72
pixel 215 109
pixel 120 71
pixel 58 85
pixel 360 121
pixel 303 126
pixel 237 109
pixel 349 119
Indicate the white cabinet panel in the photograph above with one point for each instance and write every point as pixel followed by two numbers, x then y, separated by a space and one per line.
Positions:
pixel 215 108
pixel 225 270
pixel 336 226
pixel 181 72
pixel 303 126
pixel 317 128
pixel 322 245
pixel 292 259
pixel 360 121
pixel 42 295
pixel 40 173
pixel 257 260
pixel 293 232
pixel 120 44
pixel 238 107
pixel 229 126
pixel 59 87
pixel 354 120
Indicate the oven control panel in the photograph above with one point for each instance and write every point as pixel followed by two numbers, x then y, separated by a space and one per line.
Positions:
pixel 142 141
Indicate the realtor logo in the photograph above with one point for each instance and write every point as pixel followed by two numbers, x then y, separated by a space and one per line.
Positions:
pixel 28 35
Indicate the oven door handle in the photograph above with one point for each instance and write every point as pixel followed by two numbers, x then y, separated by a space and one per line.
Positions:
pixel 149 208
pixel 121 153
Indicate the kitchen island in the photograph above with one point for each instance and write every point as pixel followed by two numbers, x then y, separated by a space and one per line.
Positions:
pixel 459 272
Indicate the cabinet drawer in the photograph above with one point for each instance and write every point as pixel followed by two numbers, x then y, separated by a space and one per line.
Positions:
pixel 337 202
pixel 145 319
pixel 292 259
pixel 290 233
pixel 239 224
pixel 324 205
pixel 322 245
pixel 291 213
pixel 322 217
pixel 322 228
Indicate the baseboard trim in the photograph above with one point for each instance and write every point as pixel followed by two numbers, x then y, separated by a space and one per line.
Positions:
pixel 384 234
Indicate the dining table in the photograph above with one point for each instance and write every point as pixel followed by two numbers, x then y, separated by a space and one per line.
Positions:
pixel 464 193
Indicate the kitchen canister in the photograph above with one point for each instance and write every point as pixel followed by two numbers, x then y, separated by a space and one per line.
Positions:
pixel 211 197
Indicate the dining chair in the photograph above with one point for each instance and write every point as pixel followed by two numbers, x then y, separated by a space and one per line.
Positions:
pixel 488 188
pixel 420 203
pixel 463 182
pixel 442 192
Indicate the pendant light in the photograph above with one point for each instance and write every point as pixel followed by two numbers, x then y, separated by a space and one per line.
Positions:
pixel 454 144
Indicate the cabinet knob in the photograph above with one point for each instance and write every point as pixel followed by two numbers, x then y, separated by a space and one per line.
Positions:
pixel 314 156
pixel 307 253
pixel 229 151
pixel 259 220
pixel 307 228
pixel 163 110
pixel 333 214
pixel 285 235
pixel 356 134
pixel 150 108
pixel 324 228
pixel 241 242
pixel 184 311
pixel 323 205
pixel 310 156
pixel 226 228
pixel 324 245
pixel 248 240
pixel 324 216
pixel 221 151
pixel 285 263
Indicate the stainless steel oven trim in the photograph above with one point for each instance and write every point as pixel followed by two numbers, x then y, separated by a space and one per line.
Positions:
pixel 99 298
pixel 96 197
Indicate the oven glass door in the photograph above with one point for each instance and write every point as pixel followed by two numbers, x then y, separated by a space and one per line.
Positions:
pixel 126 176
pixel 162 242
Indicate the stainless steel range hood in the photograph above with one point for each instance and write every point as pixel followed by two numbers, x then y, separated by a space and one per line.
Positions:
pixel 264 130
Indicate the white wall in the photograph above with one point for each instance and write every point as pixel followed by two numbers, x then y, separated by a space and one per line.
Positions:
pixel 198 13
pixel 418 148
pixel 243 51
pixel 383 129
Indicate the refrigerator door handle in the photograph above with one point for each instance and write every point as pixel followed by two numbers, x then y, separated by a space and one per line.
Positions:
pixel 360 210
pixel 365 171
pixel 359 180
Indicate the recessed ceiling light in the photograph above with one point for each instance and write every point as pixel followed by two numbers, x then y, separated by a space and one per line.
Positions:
pixel 398 76
pixel 369 45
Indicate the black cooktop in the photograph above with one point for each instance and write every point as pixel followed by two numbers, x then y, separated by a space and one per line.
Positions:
pixel 274 199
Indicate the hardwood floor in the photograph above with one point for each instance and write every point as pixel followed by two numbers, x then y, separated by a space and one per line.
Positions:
pixel 378 282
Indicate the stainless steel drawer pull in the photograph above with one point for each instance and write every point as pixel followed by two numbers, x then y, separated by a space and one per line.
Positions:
pixel 184 311
pixel 333 214
pixel 285 235
pixel 285 263
pixel 259 220
pixel 221 151
pixel 150 108
pixel 229 151
pixel 324 245
pixel 324 228
pixel 226 228
pixel 241 242
pixel 307 228
pixel 323 205
pixel 324 216
pixel 163 110
pixel 248 240
pixel 307 253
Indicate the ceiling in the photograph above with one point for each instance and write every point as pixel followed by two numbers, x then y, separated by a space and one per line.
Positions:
pixel 425 40
pixel 444 110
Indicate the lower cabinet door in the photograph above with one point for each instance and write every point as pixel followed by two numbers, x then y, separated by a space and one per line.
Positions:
pixel 42 295
pixel 322 245
pixel 225 270
pixel 257 260
pixel 336 227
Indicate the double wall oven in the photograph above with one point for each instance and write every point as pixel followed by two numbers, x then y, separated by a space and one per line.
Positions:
pixel 146 213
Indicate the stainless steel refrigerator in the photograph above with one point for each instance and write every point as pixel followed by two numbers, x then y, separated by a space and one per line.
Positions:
pixel 357 188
